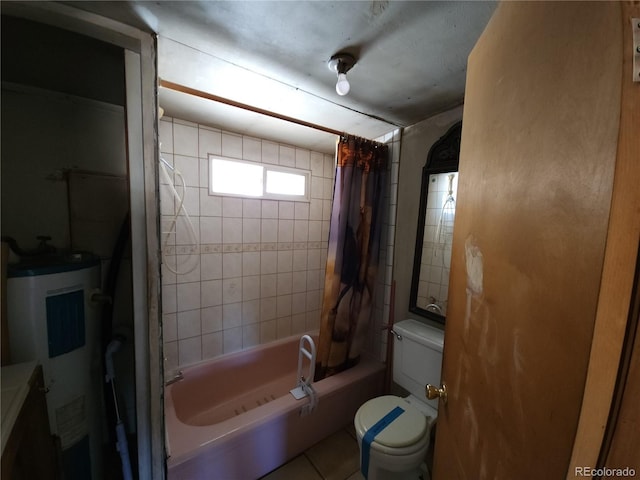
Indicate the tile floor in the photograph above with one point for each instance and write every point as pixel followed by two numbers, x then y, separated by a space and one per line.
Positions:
pixel 337 457
pixel 334 458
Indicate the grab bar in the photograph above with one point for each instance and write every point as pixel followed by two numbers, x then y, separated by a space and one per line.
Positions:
pixel 311 355
pixel 303 386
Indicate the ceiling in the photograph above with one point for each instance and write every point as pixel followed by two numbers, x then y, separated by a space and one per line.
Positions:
pixel 411 61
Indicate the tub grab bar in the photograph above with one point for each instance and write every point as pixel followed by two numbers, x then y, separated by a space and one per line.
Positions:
pixel 304 387
pixel 313 400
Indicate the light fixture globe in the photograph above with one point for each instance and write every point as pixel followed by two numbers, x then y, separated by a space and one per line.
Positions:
pixel 342 85
pixel 341 63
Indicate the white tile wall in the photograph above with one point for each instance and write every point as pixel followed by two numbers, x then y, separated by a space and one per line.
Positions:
pixel 378 335
pixel 259 265
pixel 436 254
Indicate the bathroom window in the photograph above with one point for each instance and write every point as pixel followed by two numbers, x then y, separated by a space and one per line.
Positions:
pixel 232 177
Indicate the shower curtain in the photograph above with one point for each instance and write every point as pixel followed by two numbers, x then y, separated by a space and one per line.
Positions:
pixel 353 255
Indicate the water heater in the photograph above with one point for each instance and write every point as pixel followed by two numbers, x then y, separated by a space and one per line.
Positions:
pixel 52 320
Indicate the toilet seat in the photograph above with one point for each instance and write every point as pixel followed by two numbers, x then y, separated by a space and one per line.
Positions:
pixel 405 435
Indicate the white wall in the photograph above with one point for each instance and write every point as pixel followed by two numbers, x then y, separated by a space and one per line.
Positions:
pixel 378 333
pixel 43 134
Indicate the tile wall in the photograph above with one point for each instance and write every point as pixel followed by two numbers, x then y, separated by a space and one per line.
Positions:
pixel 378 335
pixel 256 272
pixel 433 286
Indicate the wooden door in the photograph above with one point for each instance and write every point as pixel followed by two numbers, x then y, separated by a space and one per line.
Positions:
pixel 538 156
pixel 621 446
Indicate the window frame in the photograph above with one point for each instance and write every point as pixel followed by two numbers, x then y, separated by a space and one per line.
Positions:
pixel 266 167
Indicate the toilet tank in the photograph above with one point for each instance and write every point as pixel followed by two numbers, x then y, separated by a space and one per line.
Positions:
pixel 417 357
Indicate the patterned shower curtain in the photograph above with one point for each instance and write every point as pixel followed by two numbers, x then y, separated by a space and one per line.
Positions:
pixel 354 252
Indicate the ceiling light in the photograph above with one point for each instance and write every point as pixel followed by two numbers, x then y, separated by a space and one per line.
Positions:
pixel 341 63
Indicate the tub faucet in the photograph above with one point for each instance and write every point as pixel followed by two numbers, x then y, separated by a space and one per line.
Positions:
pixel 176 378
pixel 435 307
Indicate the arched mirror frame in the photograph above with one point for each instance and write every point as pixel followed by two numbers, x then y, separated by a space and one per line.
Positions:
pixel 443 157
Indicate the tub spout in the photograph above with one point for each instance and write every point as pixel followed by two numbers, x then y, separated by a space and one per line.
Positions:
pixel 176 378
pixel 434 307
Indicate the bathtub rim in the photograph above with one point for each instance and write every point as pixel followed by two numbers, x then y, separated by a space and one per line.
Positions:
pixel 185 442
pixel 204 367
pixel 169 374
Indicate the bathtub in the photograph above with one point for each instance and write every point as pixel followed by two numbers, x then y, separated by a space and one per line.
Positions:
pixel 234 418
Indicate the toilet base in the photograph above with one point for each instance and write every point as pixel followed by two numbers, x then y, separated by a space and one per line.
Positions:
pixel 391 467
pixel 420 473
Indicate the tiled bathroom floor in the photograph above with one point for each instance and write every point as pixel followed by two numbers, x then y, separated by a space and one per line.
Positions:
pixel 334 458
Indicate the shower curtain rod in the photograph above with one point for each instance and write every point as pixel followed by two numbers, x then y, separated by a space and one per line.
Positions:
pixel 208 96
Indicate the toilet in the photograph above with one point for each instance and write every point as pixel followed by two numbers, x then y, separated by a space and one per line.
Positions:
pixel 393 432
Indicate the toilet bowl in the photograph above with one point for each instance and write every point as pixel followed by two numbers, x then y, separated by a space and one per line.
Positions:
pixel 393 432
pixel 398 450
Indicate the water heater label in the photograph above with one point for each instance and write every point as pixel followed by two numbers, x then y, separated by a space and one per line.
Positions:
pixel 71 420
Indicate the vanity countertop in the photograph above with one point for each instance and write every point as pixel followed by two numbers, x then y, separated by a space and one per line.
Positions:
pixel 15 387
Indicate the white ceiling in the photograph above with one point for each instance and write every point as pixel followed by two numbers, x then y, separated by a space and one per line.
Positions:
pixel 411 61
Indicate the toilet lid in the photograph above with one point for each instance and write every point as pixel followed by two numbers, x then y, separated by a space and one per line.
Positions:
pixel 405 430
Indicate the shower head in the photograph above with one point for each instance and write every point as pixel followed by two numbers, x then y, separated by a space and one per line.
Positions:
pixel 451 177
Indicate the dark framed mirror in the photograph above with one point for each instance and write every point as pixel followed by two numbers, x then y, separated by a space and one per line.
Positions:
pixel 432 257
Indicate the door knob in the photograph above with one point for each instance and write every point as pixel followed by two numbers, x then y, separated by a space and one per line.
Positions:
pixel 432 392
